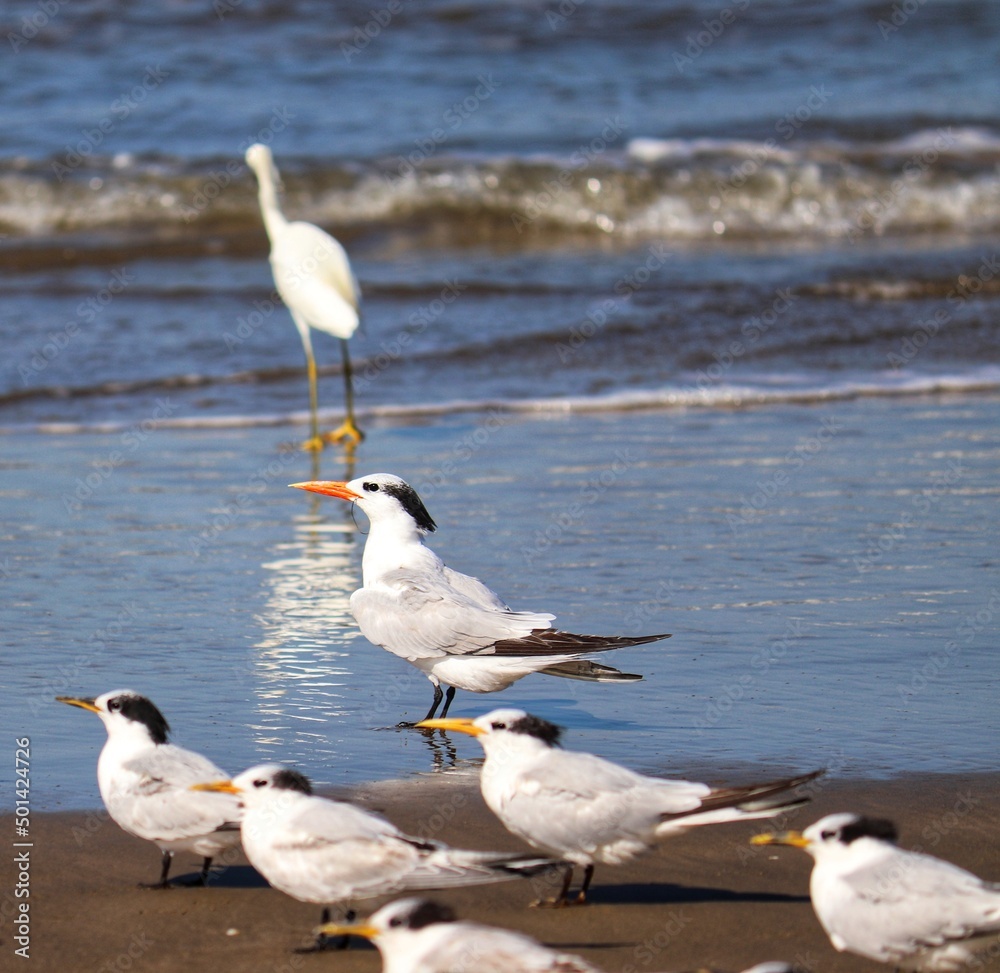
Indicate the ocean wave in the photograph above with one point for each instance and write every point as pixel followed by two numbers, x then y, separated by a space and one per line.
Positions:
pixel 935 180
pixel 768 391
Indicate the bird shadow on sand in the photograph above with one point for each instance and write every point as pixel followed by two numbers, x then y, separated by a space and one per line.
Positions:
pixel 230 877
pixel 665 893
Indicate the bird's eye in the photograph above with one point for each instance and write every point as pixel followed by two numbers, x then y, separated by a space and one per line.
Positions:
pixel 499 726
pixel 371 487
pixel 260 783
pixel 114 705
pixel 827 835
pixel 395 920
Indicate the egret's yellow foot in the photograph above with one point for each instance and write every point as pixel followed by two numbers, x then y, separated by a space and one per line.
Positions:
pixel 347 432
pixel 314 444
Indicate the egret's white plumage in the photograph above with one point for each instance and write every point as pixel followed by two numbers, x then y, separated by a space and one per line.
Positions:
pixel 901 907
pixel 330 852
pixel 588 810
pixel 314 278
pixel 145 782
pixel 449 625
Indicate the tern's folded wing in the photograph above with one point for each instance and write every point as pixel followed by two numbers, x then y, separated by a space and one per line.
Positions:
pixel 578 800
pixel 163 806
pixel 916 899
pixel 423 618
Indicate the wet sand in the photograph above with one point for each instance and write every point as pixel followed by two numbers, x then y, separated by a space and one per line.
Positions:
pixel 705 899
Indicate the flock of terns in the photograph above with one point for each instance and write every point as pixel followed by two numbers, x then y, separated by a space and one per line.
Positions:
pixel 577 809
pixel 872 898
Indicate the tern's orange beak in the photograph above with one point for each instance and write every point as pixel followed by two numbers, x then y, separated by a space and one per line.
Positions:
pixel 793 838
pixel 82 703
pixel 461 724
pixel 217 786
pixel 329 488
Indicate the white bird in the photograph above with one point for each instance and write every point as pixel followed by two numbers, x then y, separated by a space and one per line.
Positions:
pixel 145 782
pixel 419 936
pixel 314 278
pixel 329 852
pixel 586 809
pixel 894 906
pixel 449 625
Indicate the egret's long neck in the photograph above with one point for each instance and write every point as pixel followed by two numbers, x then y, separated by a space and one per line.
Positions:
pixel 267 194
pixel 395 543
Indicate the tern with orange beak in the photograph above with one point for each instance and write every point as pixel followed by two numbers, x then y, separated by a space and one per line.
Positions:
pixel 449 625
pixel 144 783
pixel 586 809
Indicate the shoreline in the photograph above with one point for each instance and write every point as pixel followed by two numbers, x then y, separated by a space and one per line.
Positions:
pixel 705 899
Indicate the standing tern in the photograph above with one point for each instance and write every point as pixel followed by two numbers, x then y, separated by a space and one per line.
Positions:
pixel 145 783
pixel 314 278
pixel 586 809
pixel 419 936
pixel 449 625
pixel 328 852
pixel 894 906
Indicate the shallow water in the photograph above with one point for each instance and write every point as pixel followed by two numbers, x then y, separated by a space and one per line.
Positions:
pixel 828 574
pixel 707 346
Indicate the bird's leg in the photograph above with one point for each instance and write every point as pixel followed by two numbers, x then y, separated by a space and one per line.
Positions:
pixel 438 696
pixel 321 942
pixel 168 857
pixel 448 697
pixel 206 867
pixel 560 900
pixel 315 442
pixel 347 432
pixel 588 874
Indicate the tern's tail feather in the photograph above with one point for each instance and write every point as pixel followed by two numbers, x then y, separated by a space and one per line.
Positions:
pixel 744 803
pixel 589 671
pixel 447 867
pixel 550 641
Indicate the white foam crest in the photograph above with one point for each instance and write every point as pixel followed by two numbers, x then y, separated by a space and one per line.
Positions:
pixel 770 390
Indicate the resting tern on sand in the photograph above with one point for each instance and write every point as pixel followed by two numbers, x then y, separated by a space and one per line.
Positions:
pixel 894 906
pixel 449 625
pixel 145 783
pixel 314 278
pixel 419 936
pixel 329 852
pixel 586 809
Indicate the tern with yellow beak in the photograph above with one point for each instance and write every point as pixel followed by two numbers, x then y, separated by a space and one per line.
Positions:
pixel 588 810
pixel 145 783
pixel 333 853
pixel 449 625
pixel 894 906
pixel 419 936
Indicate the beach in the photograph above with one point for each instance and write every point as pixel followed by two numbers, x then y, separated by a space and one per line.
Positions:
pixel 679 318
pixel 704 900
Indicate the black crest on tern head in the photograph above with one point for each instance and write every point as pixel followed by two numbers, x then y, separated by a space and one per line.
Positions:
pixel 863 827
pixel 426 913
pixel 410 501
pixel 291 780
pixel 535 726
pixel 141 710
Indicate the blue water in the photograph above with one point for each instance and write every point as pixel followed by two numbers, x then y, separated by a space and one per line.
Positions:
pixel 596 240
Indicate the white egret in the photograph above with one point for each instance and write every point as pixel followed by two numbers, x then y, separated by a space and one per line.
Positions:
pixel 314 278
